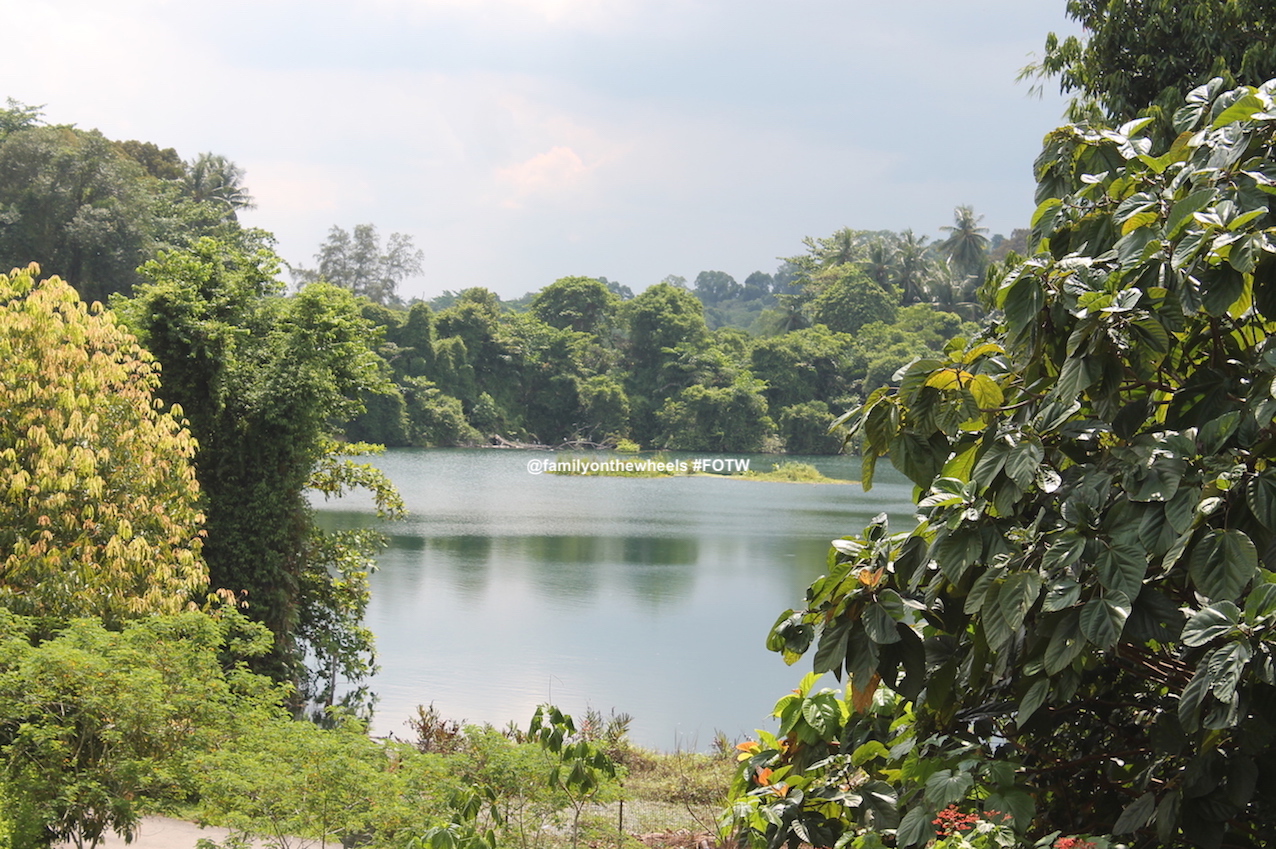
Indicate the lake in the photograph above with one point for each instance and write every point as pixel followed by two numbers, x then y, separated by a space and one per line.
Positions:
pixel 649 596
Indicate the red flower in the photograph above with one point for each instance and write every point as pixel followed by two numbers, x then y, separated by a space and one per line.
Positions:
pixel 1073 843
pixel 952 821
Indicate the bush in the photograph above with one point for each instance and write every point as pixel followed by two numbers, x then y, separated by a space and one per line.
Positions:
pixel 805 429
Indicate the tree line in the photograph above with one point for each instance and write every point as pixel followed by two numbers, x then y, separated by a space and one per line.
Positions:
pixel 706 366
pixel 712 366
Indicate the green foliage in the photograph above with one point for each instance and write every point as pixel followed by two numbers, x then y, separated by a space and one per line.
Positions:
pixel 1151 53
pixel 212 178
pixel 261 378
pixel 76 205
pixel 356 261
pixel 99 509
pixel 435 418
pixel 576 303
pixel 384 420
pixel 657 321
pixel 716 418
pixel 604 408
pixel 881 350
pixel 580 769
pixel 333 587
pixel 805 429
pixel 92 210
pixel 513 774
pixel 802 366
pixel 98 727
pixel 290 783
pixel 1080 630
pixel 966 247
pixel 18 116
pixel 848 300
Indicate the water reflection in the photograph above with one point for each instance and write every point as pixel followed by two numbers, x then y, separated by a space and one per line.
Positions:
pixel 652 596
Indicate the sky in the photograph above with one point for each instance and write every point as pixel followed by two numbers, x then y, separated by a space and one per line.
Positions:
pixel 520 141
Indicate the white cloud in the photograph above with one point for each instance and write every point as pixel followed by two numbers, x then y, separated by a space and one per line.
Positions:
pixel 631 138
pixel 552 174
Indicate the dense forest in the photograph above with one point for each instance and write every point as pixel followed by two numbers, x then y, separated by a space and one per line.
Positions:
pixel 1074 647
pixel 714 365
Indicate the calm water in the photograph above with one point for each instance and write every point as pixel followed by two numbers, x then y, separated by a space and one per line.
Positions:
pixel 503 589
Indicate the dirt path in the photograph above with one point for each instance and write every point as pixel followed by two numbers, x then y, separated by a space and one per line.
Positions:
pixel 163 833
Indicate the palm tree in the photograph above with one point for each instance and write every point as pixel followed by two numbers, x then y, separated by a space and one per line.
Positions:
pixel 840 248
pixel 792 309
pixel 966 246
pixel 211 177
pixel 913 268
pixel 879 262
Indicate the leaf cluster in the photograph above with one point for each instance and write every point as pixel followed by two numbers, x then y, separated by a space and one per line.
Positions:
pixel 1080 629
pixel 99 506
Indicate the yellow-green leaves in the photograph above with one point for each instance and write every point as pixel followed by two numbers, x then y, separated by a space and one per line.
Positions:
pixel 98 499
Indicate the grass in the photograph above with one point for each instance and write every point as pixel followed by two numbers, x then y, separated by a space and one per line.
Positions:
pixel 789 472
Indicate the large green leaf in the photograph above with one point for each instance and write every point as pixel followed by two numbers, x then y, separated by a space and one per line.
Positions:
pixel 1222 563
pixel 1192 698
pixel 956 550
pixel 1181 213
pixel 1062 593
pixel 1260 495
pixel 1022 461
pixel 1154 469
pixel 1242 110
pixel 907 655
pixel 823 713
pixel 1017 803
pixel 1032 700
pixel 915 828
pixel 1102 619
pixel 991 463
pixel 1261 602
pixel 948 787
pixel 1135 815
pixel 1079 374
pixel 1227 664
pixel 1063 551
pixel 879 624
pixel 1207 625
pixel 1066 643
pixel 1121 566
pixel 831 649
pixel 920 459
pixel 1022 300
pixel 1017 596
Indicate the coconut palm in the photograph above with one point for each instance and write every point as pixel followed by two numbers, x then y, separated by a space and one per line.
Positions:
pixel 840 248
pixel 913 268
pixel 966 246
pixel 879 263
pixel 211 177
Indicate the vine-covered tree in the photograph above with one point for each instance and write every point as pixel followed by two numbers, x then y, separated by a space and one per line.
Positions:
pixel 1081 632
pixel 99 512
pixel 262 378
